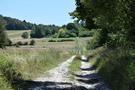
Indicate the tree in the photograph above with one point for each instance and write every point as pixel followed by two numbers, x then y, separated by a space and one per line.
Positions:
pixel 3 36
pixel 25 35
pixel 112 16
pixel 40 31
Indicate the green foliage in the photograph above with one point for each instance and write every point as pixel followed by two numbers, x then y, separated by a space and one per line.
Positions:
pixel 32 42
pixel 19 43
pixel 116 19
pixel 61 40
pixel 100 37
pixel 32 63
pixel 116 66
pixel 113 17
pixel 40 31
pixel 85 34
pixel 25 35
pixel 80 47
pixel 25 43
pixel 9 42
pixel 64 33
pixel 3 36
pixel 75 67
pixel 15 24
pixel 8 74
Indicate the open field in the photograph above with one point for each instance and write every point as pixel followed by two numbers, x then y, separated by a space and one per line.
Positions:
pixel 33 62
pixel 16 34
pixel 43 43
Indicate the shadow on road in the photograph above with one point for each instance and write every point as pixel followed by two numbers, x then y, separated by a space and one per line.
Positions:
pixel 35 85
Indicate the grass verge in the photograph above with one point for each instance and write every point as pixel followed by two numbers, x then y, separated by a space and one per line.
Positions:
pixel 117 67
pixel 74 67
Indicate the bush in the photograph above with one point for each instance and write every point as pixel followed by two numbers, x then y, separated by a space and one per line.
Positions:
pixel 51 40
pixel 8 74
pixel 32 42
pixel 66 40
pixel 25 43
pixel 85 34
pixel 3 36
pixel 100 38
pixel 19 43
pixel 61 40
pixel 9 42
pixel 25 35
pixel 117 67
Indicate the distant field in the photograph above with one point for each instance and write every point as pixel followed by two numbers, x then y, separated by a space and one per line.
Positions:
pixel 43 43
pixel 16 34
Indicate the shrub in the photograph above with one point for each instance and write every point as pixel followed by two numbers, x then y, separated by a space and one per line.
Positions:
pixel 51 40
pixel 19 43
pixel 66 40
pixel 25 43
pixel 60 40
pixel 32 42
pixel 100 38
pixel 85 34
pixel 25 35
pixel 3 36
pixel 117 67
pixel 8 73
pixel 9 42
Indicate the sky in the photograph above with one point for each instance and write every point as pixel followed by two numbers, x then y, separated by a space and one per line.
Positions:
pixel 39 11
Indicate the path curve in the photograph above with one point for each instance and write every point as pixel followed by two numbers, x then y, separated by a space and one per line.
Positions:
pixel 58 74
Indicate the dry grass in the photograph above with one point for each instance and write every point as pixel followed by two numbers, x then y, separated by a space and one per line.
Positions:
pixel 33 62
pixel 16 34
pixel 43 43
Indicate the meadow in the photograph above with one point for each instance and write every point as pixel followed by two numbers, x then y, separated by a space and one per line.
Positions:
pixel 62 44
pixel 31 61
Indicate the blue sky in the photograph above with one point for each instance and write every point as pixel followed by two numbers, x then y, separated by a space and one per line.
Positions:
pixel 39 11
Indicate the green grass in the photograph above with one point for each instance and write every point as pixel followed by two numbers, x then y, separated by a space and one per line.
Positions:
pixel 74 67
pixel 27 64
pixel 62 40
pixel 33 63
pixel 66 44
pixel 117 67
pixel 4 85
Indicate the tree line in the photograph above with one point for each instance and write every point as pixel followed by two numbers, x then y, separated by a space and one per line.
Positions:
pixel 69 30
pixel 115 18
pixel 40 30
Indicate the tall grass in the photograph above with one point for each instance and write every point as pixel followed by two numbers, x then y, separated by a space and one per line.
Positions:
pixel 8 75
pixel 80 47
pixel 27 64
pixel 117 67
pixel 74 67
pixel 31 63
